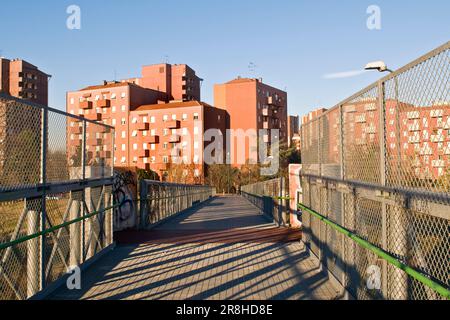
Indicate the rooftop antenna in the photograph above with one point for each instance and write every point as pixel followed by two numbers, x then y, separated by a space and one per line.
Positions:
pixel 115 75
pixel 252 68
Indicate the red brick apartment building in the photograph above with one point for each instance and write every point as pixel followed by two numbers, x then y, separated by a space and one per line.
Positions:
pixel 178 82
pixel 422 133
pixel 293 129
pixel 153 131
pixel 251 104
pixel 23 80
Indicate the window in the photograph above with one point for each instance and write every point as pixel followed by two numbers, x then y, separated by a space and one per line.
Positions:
pixel 135 159
pixel 134 133
pixel 174 131
pixel 113 122
pixel 196 144
pixel 174 117
pixel 185 116
pixel 124 108
pixel 196 116
pixel 72 100
pixel 123 160
pixel 124 134
pixel 97 97
pixel 195 130
pixel 165 117
pixel 113 96
pixel 124 147
pixel 113 109
pixel 135 146
pixel 153 147
pixel 153 159
pixel 165 145
pixel 134 120
pixel 165 159
pixel 152 119
pixel 185 131
pixel 123 95
pixel 124 121
pixel 153 132
pixel 144 146
pixel 166 132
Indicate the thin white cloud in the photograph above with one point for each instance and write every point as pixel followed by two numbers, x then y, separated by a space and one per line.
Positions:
pixel 343 75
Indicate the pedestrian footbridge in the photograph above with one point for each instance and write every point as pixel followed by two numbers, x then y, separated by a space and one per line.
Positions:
pixel 224 248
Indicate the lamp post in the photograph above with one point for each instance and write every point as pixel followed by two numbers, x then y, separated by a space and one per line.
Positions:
pixel 380 66
pixel 398 230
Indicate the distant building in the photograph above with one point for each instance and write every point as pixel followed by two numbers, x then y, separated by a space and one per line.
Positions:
pixel 20 124
pixel 251 104
pixel 178 81
pixel 419 134
pixel 293 128
pixel 153 131
pixel 23 80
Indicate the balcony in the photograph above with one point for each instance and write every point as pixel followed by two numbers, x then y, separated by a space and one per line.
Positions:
pixel 175 138
pixel 144 153
pixel 266 112
pixel 274 102
pixel 438 163
pixel 104 103
pixel 144 126
pixel 174 124
pixel 94 116
pixel 105 154
pixel 86 105
pixel 153 139
pixel 94 142
pixel 76 142
pixel 76 130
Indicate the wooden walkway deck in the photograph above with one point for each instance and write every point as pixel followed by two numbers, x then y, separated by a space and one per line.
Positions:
pixel 223 249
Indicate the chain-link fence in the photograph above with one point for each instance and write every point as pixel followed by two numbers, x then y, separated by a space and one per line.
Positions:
pixel 269 198
pixel 378 164
pixel 56 177
pixel 160 200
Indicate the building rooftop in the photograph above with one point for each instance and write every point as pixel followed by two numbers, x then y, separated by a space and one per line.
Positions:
pixel 176 104
pixel 107 85
pixel 243 80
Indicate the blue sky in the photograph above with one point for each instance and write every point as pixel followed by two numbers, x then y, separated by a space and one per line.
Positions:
pixel 293 43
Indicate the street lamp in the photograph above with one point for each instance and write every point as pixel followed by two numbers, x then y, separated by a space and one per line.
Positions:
pixel 379 66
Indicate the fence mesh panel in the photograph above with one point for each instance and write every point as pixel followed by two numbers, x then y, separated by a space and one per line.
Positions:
pixel 392 187
pixel 42 165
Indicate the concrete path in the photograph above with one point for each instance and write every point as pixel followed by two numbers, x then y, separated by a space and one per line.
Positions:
pixel 223 249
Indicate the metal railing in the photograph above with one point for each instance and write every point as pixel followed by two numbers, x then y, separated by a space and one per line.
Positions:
pixel 56 178
pixel 378 166
pixel 268 197
pixel 160 201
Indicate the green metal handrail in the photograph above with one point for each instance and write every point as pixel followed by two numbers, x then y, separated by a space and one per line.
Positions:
pixel 416 274
pixel 55 228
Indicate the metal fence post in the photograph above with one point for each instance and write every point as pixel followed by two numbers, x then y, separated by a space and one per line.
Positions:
pixel 34 254
pixel 43 181
pixel 143 194
pixel 83 176
pixel 383 163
